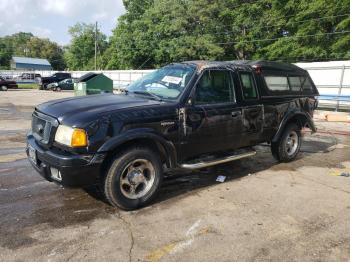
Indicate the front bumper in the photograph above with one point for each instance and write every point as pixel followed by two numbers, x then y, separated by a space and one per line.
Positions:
pixel 75 170
pixel 15 86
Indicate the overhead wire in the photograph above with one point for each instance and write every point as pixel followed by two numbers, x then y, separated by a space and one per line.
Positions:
pixel 269 39
pixel 292 22
pixel 283 37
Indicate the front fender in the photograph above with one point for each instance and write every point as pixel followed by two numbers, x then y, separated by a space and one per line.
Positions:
pixel 304 117
pixel 141 133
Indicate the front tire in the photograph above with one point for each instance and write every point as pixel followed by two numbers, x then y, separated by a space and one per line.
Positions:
pixel 133 178
pixel 3 88
pixel 288 145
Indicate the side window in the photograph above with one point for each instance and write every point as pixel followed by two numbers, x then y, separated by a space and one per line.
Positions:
pixel 248 86
pixel 277 83
pixel 215 86
pixel 294 83
pixel 306 84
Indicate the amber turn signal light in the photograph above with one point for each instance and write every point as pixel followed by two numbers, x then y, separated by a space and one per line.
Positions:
pixel 79 138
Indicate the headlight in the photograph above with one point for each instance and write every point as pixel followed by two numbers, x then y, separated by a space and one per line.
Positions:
pixel 73 137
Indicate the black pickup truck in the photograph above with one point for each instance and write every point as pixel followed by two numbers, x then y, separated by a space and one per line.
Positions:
pixel 6 84
pixel 55 78
pixel 186 115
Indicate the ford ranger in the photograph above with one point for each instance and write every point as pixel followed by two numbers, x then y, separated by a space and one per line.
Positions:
pixel 188 115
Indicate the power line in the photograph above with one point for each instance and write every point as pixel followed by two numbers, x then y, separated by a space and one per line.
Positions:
pixel 281 17
pixel 283 37
pixel 262 40
pixel 288 16
pixel 238 30
pixel 332 56
pixel 293 22
pixel 271 26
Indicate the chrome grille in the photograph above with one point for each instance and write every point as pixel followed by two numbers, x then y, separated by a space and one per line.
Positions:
pixel 43 127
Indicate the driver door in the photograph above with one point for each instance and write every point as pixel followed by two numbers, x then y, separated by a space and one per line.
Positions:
pixel 213 122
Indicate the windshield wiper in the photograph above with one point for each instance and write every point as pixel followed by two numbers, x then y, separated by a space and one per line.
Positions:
pixel 158 98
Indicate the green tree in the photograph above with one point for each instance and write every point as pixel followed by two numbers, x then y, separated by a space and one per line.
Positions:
pixel 28 45
pixel 136 8
pixel 163 31
pixel 81 51
pixel 167 31
pixel 308 30
pixel 5 54
pixel 44 48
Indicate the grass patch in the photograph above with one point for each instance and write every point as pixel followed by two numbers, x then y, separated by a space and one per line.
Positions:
pixel 28 86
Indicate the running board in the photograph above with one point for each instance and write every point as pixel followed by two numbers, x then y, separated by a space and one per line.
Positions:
pixel 217 161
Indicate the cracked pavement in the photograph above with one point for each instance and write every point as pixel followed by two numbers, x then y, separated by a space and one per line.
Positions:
pixel 263 211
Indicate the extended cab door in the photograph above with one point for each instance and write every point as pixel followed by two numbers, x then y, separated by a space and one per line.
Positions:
pixel 212 120
pixel 252 109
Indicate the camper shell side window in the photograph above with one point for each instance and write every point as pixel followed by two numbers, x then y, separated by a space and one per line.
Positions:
pixel 282 83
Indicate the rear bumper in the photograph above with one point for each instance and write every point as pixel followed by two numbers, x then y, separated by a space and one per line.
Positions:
pixel 75 170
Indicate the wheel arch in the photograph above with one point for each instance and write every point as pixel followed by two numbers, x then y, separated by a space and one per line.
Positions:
pixel 302 119
pixel 156 142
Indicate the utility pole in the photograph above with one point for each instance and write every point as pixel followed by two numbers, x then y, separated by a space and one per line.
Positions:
pixel 96 46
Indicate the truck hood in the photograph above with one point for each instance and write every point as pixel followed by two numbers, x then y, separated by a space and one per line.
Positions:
pixel 77 110
pixel 47 78
pixel 10 82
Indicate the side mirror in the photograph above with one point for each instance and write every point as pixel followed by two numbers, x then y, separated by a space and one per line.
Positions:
pixel 190 102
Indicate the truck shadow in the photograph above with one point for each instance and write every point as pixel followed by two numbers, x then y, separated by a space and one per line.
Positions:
pixel 183 183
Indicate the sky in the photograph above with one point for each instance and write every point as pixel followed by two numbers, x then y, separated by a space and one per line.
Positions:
pixel 52 18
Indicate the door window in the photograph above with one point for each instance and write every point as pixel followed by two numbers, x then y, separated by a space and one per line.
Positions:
pixel 248 86
pixel 215 86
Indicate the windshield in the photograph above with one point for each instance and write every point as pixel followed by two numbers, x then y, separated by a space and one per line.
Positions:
pixel 166 83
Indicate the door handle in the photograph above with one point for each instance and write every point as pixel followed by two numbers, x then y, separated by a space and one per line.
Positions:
pixel 235 114
pixel 255 111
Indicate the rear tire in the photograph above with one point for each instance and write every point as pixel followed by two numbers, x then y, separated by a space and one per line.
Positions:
pixel 133 178
pixel 3 88
pixel 288 145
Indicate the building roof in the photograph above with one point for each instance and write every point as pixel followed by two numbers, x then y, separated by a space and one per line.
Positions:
pixel 87 77
pixel 32 61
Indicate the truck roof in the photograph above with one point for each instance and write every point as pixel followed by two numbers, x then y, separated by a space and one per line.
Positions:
pixel 264 65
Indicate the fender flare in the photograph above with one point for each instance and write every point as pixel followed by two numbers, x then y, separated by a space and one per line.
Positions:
pixel 142 133
pixel 294 114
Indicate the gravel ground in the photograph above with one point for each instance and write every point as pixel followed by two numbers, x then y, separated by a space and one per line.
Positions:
pixel 264 211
